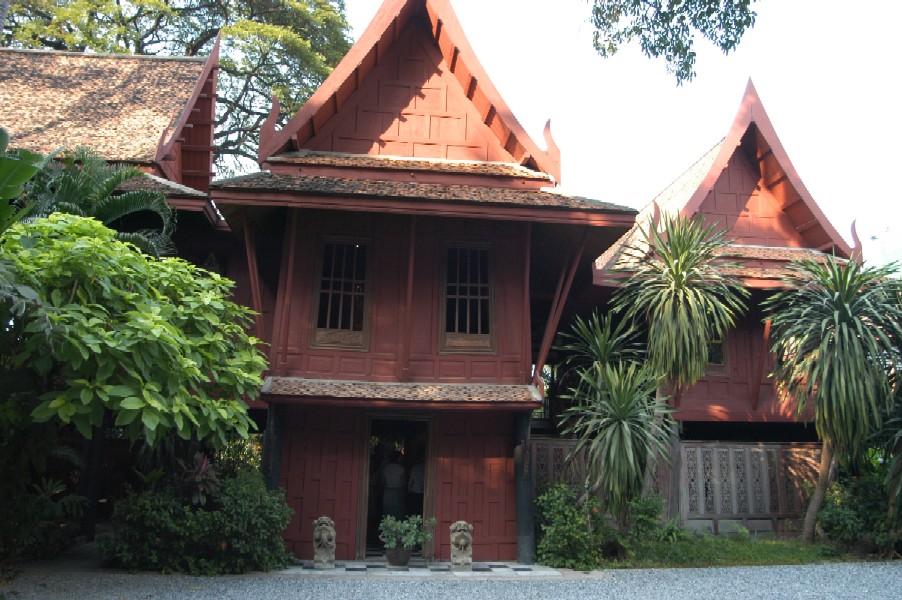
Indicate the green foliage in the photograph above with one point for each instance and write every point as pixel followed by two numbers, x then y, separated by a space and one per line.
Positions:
pixel 16 169
pixel 621 424
pixel 407 533
pixel 571 533
pixel 668 28
pixel 679 290
pixel 156 343
pixel 836 329
pixel 238 531
pixel 854 511
pixel 284 48
pixel 38 520
pixel 697 551
pixel 82 183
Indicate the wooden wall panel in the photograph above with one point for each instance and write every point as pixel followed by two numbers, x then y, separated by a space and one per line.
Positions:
pixel 475 482
pixel 728 396
pixel 321 467
pixel 752 215
pixel 389 237
pixel 411 105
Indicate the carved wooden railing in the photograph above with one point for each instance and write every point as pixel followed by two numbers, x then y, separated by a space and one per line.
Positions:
pixel 758 485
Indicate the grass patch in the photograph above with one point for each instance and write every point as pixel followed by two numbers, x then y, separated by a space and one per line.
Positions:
pixel 708 551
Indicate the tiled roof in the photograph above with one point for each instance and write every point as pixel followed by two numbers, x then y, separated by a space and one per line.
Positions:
pixel 404 392
pixel 368 161
pixel 670 201
pixel 170 189
pixel 334 186
pixel 117 105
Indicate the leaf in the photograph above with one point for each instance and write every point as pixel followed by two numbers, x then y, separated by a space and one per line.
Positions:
pixel 132 402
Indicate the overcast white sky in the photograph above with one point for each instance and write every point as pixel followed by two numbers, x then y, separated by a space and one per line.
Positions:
pixel 828 73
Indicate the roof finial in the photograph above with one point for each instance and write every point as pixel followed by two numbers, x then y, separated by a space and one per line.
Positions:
pixel 858 251
pixel 268 130
pixel 552 150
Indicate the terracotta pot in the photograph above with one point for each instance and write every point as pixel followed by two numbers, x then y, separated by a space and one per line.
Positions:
pixel 398 557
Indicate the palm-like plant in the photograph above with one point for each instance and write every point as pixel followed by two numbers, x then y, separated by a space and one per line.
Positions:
pixel 678 289
pixel 84 184
pixel 837 328
pixel 621 424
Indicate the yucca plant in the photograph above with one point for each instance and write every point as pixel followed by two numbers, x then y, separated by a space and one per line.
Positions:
pixel 621 424
pixel 836 330
pixel 678 289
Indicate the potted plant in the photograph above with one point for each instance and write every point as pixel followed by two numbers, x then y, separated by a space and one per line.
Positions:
pixel 401 536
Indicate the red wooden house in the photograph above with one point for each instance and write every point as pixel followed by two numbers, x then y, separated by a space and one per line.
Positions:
pixel 410 269
pixel 747 184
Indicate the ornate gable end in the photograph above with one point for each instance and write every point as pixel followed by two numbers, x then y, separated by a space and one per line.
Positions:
pixel 748 210
pixel 778 210
pixel 410 87
pixel 411 105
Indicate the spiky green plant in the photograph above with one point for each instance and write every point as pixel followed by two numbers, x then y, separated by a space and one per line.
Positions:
pixel 836 331
pixel 679 290
pixel 83 184
pixel 621 424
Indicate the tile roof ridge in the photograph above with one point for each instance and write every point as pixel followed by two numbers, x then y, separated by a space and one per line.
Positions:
pixel 105 55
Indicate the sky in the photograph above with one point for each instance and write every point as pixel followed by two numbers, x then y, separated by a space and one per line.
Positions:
pixel 828 73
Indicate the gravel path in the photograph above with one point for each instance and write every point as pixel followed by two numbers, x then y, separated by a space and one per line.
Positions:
pixel 871 581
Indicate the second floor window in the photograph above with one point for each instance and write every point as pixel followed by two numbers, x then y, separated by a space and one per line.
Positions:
pixel 467 300
pixel 341 315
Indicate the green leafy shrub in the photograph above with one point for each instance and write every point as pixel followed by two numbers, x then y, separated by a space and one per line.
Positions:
pixel 238 530
pixel 38 522
pixel 405 533
pixel 571 533
pixel 854 512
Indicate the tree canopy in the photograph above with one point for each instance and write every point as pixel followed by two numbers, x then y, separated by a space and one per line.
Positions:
pixel 157 344
pixel 668 28
pixel 284 48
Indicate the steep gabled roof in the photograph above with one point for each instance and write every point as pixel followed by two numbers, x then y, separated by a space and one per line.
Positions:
pixel 438 20
pixel 752 135
pixel 127 108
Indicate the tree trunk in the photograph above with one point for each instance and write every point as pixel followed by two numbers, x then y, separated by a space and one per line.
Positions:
pixel 820 490
pixel 4 10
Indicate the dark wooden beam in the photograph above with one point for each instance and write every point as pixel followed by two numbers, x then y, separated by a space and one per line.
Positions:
pixel 250 250
pixel 557 306
pixel 404 362
pixel 755 392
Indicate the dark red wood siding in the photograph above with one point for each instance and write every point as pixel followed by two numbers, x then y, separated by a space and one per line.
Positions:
pixel 292 353
pixel 321 468
pixel 475 483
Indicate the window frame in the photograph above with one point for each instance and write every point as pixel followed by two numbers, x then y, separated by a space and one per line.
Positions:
pixel 343 339
pixel 466 343
pixel 717 369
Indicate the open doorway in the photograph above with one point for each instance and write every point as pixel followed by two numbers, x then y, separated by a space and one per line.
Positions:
pixel 397 473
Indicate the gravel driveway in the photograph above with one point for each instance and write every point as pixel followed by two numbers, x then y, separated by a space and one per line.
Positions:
pixel 871 581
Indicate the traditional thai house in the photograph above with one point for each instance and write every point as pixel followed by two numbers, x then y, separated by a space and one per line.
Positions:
pixel 156 113
pixel 410 269
pixel 744 450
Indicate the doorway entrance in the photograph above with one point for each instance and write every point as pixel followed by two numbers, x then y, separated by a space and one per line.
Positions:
pixel 398 453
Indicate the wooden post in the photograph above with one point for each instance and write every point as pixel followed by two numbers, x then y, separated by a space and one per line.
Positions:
pixel 755 392
pixel 526 536
pixel 272 444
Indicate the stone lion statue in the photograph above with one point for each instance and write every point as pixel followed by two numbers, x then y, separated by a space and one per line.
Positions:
pixel 323 543
pixel 461 543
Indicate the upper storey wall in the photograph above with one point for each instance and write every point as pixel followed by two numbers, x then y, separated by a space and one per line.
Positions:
pixel 411 105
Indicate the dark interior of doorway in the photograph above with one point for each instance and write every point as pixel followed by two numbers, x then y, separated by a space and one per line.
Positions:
pixel 387 436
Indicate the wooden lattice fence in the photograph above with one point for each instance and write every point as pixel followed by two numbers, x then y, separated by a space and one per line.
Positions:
pixel 722 485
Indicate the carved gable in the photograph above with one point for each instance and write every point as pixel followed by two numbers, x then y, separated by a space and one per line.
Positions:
pixel 410 105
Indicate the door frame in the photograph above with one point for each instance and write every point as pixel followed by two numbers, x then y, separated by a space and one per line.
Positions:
pixel 363 489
